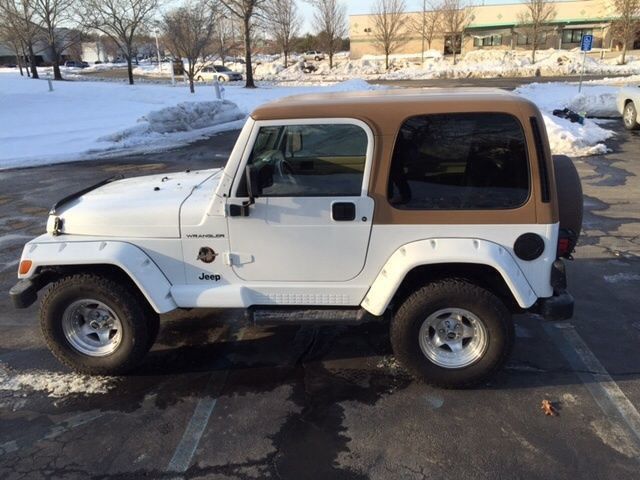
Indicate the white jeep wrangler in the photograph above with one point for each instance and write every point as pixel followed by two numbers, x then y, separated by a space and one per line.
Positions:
pixel 438 208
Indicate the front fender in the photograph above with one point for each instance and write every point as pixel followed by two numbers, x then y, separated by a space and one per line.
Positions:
pixel 440 251
pixel 151 281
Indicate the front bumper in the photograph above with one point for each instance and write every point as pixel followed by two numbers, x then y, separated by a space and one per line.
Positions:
pixel 24 293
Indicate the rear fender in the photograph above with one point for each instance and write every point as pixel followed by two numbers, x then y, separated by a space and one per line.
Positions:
pixel 442 251
pixel 148 277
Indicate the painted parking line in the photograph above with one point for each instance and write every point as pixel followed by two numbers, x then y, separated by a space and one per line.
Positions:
pixel 186 449
pixel 619 410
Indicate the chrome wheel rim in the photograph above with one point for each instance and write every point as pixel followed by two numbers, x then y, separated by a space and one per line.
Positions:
pixel 453 338
pixel 628 115
pixel 91 327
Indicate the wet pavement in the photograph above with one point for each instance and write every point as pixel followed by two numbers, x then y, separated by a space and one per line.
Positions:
pixel 218 398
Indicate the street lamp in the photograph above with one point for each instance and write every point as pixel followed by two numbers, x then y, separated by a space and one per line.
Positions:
pixel 155 31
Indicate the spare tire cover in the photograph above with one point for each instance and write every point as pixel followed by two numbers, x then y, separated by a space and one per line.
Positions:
pixel 570 200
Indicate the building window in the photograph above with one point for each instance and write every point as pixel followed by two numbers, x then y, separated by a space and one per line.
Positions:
pixel 575 36
pixel 488 41
pixel 524 39
pixel 459 161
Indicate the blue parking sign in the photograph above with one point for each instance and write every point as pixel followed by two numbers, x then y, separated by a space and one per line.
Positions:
pixel 586 43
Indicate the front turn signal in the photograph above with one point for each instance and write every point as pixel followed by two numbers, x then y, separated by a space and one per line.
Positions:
pixel 25 266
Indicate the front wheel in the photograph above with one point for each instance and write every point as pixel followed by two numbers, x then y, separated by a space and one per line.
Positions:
pixel 222 79
pixel 452 334
pixel 95 325
pixel 630 116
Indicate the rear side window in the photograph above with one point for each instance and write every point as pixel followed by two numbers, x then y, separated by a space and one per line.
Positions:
pixel 459 161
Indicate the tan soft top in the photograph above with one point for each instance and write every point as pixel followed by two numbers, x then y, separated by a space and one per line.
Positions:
pixel 385 110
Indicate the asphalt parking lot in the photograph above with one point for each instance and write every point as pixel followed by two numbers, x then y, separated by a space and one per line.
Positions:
pixel 218 398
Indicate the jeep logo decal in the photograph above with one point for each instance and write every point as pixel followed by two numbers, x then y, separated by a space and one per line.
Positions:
pixel 207 255
pixel 213 277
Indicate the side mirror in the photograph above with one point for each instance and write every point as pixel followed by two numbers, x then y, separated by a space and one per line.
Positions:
pixel 253 186
pixel 258 178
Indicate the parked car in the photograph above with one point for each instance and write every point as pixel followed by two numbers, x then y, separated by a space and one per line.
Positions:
pixel 313 55
pixel 219 73
pixel 628 103
pixel 458 219
pixel 75 64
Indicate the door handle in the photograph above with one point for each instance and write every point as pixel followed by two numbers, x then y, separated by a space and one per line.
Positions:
pixel 343 211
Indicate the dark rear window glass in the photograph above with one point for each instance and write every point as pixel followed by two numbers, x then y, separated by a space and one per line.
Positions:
pixel 459 161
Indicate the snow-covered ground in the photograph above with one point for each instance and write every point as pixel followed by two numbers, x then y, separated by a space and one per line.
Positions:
pixel 473 64
pixel 92 119
pixel 81 120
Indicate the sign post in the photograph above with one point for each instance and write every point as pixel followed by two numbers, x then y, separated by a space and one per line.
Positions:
pixel 585 45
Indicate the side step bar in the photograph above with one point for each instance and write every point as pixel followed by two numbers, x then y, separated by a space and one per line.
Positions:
pixel 296 315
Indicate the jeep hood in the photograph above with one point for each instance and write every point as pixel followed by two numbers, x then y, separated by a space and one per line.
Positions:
pixel 133 207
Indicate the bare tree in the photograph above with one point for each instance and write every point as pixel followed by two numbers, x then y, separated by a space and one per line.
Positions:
pixel 535 22
pixel 389 31
pixel 223 42
pixel 245 10
pixel 626 23
pixel 188 31
pixel 21 17
pixel 456 16
pixel 330 19
pixel 428 24
pixel 11 37
pixel 283 23
pixel 55 17
pixel 120 20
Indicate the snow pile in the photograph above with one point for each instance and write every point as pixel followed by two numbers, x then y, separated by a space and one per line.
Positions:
pixel 55 385
pixel 191 116
pixel 569 138
pixel 573 139
pixel 483 63
pixel 184 117
pixel 594 100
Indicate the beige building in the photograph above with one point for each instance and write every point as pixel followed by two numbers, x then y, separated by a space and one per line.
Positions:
pixel 497 27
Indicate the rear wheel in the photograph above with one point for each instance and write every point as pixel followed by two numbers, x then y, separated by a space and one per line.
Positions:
pixel 630 116
pixel 222 79
pixel 95 325
pixel 452 334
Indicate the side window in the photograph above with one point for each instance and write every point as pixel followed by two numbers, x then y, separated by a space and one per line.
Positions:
pixel 309 160
pixel 461 161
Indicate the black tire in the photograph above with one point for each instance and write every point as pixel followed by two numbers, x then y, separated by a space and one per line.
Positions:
pixel 139 323
pixel 569 190
pixel 221 79
pixel 630 116
pixel 452 293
